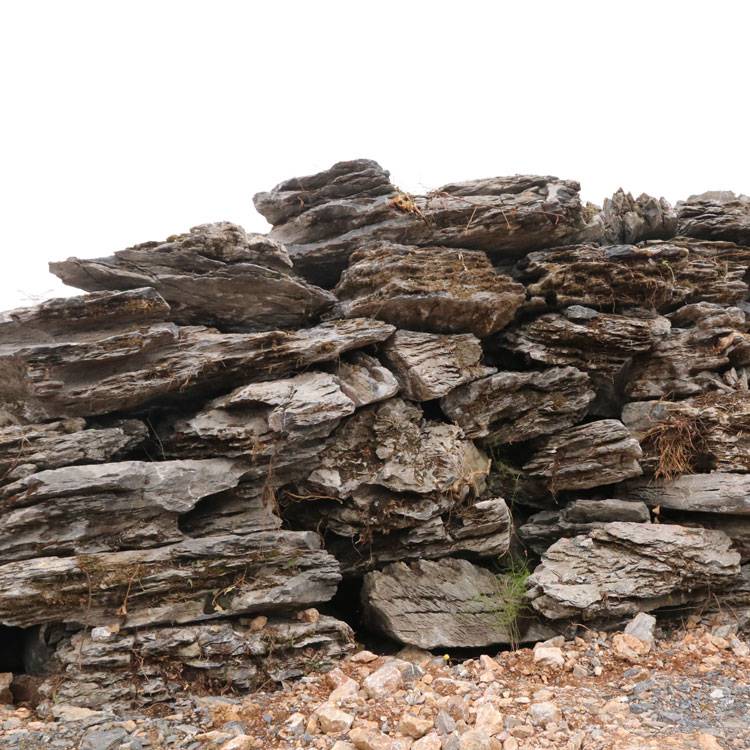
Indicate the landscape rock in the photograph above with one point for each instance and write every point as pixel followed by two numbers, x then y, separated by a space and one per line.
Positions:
pixel 642 627
pixel 323 218
pixel 511 407
pixel 447 603
pixel 134 366
pixel 226 654
pixel 588 455
pixel 627 219
pixel 716 215
pixel 431 289
pixel 577 518
pixel 215 274
pixel 653 275
pixel 428 366
pixel 624 568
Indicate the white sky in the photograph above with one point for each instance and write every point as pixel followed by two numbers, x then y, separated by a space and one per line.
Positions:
pixel 128 121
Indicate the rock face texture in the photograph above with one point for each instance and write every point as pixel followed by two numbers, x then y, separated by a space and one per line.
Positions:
pixel 495 412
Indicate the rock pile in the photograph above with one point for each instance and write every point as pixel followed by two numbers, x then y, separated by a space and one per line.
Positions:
pixel 195 454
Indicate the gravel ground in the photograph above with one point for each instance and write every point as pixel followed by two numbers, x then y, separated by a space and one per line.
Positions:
pixel 690 690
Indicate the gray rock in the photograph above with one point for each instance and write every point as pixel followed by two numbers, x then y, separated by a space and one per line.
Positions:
pixel 103 739
pixel 717 215
pixel 26 449
pixel 624 568
pixel 428 366
pixel 227 654
pixel 216 274
pixel 190 581
pixel 718 492
pixel 510 407
pixel 627 219
pixel 323 218
pixel 112 506
pixel 653 275
pixel 711 431
pixel 544 528
pixel 92 372
pixel 447 603
pixel 589 455
pixel 432 289
pixel 642 627
pixel 704 341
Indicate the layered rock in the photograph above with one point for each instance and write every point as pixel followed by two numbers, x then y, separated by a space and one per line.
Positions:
pixel 189 581
pixel 215 274
pixel 716 215
pixel 26 449
pixel 74 510
pixel 709 432
pixel 698 354
pixel 601 344
pixel 626 219
pixel 428 366
pixel 589 455
pixel 717 492
pixel 449 603
pixel 578 518
pixel 238 656
pixel 624 568
pixel 654 275
pixel 433 289
pixel 80 375
pixel 511 407
pixel 323 218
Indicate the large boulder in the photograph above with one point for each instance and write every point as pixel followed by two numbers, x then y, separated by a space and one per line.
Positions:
pixel 448 603
pixel 624 568
pixel 215 274
pixel 323 218
pixel 433 289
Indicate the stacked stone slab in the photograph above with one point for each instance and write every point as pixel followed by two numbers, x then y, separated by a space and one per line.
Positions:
pixel 198 452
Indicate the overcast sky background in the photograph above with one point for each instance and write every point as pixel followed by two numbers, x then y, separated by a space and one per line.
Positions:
pixel 129 121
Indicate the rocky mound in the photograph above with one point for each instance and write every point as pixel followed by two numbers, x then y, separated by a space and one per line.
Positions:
pixel 477 417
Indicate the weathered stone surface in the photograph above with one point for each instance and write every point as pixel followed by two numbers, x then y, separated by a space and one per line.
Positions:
pixel 589 455
pixel 717 215
pixel 705 340
pixel 132 367
pixel 215 274
pixel 391 445
pixel 510 407
pixel 579 517
pixel 190 581
pixel 395 528
pixel 364 380
pixel 433 289
pixel 601 344
pixel 737 528
pixel 427 366
pixel 449 603
pixel 105 507
pixel 717 492
pixel 26 449
pixel 624 568
pixel 654 275
pixel 217 656
pixel 323 218
pixel 710 432
pixel 626 219
pixel 88 316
